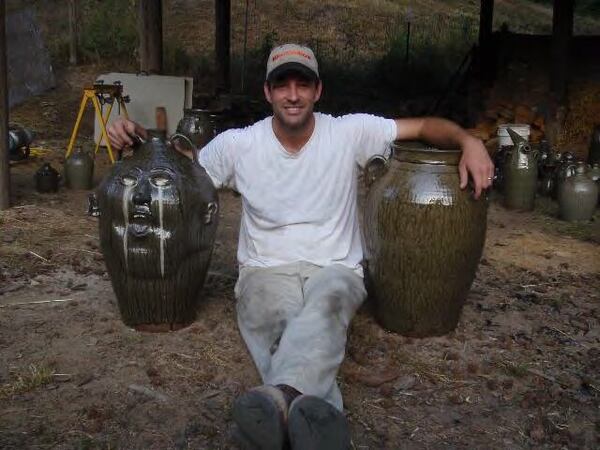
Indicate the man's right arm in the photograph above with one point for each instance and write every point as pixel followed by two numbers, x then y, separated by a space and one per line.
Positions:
pixel 217 157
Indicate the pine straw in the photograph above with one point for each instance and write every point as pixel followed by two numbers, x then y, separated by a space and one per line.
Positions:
pixel 36 239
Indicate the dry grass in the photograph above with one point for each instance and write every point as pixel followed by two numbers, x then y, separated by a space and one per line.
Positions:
pixel 33 246
pixel 35 376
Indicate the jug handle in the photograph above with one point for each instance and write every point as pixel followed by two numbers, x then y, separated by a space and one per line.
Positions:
pixel 187 142
pixel 369 179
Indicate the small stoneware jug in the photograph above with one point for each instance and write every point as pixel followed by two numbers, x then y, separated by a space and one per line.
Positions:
pixel 46 179
pixel 578 195
pixel 79 170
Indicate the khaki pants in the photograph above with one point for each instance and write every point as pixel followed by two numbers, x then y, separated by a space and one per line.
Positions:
pixel 294 319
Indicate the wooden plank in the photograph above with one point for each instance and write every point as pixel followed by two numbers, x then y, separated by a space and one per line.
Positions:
pixel 4 163
pixel 222 45
pixel 150 34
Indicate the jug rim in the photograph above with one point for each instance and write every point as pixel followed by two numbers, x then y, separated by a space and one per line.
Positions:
pixel 423 153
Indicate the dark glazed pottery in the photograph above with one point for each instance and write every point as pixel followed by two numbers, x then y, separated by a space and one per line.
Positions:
pixel 46 179
pixel 158 218
pixel 424 237
pixel 520 174
pixel 198 125
pixel 79 170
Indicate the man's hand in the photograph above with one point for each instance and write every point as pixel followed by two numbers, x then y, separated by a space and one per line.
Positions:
pixel 122 132
pixel 476 162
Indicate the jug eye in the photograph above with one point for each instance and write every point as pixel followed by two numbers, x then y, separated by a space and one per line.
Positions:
pixel 160 180
pixel 129 180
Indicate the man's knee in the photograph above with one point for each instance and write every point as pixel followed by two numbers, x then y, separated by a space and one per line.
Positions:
pixel 264 300
pixel 337 290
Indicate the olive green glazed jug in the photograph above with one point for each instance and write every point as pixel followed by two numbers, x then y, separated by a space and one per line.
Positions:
pixel 424 237
pixel 520 175
pixel 578 195
pixel 79 170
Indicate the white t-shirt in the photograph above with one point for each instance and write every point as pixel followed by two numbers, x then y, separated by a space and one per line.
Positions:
pixel 302 206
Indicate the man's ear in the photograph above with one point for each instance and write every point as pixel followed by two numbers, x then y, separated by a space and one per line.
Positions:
pixel 267 90
pixel 319 90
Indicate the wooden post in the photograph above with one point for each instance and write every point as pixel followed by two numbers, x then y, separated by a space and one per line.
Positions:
pixel 562 31
pixel 486 51
pixel 150 34
pixel 222 43
pixel 4 164
pixel 486 21
pixel 73 31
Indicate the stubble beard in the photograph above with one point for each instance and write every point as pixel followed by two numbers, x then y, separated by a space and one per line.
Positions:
pixel 293 126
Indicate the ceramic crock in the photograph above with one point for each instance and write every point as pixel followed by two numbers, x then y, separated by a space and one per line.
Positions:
pixel 424 237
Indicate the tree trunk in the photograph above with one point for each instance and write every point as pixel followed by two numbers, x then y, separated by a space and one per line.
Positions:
pixel 150 33
pixel 73 31
pixel 222 43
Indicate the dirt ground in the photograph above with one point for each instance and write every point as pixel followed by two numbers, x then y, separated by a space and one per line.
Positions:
pixel 520 371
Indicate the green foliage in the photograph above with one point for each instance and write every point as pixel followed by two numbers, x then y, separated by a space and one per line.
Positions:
pixel 108 29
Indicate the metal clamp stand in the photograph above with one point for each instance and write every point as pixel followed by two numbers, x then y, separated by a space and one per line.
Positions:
pixel 99 94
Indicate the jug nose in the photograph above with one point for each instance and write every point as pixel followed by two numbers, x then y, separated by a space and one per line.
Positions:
pixel 141 195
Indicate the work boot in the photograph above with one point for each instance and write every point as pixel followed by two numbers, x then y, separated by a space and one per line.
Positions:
pixel 317 425
pixel 261 416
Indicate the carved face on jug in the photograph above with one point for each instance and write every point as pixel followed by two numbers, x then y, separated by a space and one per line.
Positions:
pixel 159 214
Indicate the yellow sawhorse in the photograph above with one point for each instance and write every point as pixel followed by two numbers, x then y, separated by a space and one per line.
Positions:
pixel 112 92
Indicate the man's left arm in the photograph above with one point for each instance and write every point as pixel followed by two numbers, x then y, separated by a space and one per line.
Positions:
pixel 475 160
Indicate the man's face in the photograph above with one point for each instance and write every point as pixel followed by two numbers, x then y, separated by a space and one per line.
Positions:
pixel 293 97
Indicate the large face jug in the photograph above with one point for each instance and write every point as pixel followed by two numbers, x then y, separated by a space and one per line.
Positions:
pixel 158 218
pixel 424 237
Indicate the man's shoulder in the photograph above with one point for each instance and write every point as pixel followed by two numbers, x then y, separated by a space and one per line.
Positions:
pixel 348 119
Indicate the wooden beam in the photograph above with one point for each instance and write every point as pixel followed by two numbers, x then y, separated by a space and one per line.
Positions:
pixel 150 34
pixel 486 49
pixel 4 164
pixel 222 45
pixel 486 22
pixel 562 32
pixel 73 30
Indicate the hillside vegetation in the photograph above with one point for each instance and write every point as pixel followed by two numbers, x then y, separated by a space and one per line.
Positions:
pixel 368 57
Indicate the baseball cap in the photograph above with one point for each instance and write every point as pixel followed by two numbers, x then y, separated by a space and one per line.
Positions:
pixel 292 57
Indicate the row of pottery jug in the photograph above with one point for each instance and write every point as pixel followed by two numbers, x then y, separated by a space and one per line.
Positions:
pixel 157 221
pixel 424 237
pixel 78 171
